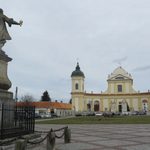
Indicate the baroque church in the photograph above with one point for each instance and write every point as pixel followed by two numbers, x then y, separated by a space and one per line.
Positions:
pixel 119 96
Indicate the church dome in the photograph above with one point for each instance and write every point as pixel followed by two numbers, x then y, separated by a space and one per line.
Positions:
pixel 119 71
pixel 77 72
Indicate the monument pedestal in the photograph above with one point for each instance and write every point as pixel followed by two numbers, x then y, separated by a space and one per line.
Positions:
pixel 5 83
pixel 6 98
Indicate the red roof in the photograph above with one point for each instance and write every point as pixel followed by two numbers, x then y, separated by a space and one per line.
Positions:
pixel 56 105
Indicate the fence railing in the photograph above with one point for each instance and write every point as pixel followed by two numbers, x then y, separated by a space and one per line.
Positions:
pixel 16 121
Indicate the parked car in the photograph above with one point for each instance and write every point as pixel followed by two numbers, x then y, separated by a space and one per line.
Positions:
pixel 91 113
pixel 88 113
pixel 45 115
pixel 78 114
pixel 98 114
pixel 108 114
pixel 37 115
pixel 117 113
pixel 48 115
pixel 142 113
pixel 84 113
pixel 54 115
pixel 133 113
pixel 125 113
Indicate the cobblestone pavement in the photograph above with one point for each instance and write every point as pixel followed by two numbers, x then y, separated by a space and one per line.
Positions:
pixel 104 137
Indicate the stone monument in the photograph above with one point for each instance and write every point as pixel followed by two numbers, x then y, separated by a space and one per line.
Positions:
pixel 113 106
pixel 6 97
pixel 124 107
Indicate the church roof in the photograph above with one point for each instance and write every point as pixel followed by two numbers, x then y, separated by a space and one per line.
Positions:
pixel 77 72
pixel 119 73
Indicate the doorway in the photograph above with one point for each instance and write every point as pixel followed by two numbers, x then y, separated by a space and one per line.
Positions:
pixel 96 106
pixel 120 107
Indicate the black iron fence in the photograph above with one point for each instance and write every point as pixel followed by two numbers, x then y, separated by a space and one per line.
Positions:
pixel 16 121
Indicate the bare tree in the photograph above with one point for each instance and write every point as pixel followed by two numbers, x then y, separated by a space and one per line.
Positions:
pixel 27 98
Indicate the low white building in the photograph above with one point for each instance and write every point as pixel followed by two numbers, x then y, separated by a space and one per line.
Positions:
pixel 59 109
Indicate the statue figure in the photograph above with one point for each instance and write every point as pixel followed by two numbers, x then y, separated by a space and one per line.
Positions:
pixel 124 106
pixel 4 35
pixel 113 106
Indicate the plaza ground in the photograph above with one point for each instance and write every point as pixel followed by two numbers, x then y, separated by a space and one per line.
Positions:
pixel 102 137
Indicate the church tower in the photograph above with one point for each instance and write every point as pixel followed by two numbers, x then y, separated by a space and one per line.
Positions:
pixel 77 91
pixel 77 80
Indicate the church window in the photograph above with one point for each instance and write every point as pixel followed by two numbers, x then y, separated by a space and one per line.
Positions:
pixel 119 88
pixel 76 86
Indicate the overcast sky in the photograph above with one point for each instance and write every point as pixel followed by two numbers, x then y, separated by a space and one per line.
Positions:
pixel 100 34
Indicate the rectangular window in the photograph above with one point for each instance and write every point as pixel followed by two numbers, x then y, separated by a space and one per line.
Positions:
pixel 76 86
pixel 119 88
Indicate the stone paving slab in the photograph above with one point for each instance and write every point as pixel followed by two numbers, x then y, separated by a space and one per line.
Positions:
pixel 106 137
pixel 113 143
pixel 78 146
pixel 139 147
pixel 99 137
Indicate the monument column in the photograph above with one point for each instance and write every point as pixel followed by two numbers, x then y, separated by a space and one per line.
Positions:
pixel 5 83
pixel 6 98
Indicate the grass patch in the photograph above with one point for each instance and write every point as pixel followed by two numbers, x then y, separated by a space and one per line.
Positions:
pixel 100 120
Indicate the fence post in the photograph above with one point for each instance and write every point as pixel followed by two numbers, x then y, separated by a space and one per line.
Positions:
pixel 51 140
pixel 67 135
pixel 21 145
pixel 2 119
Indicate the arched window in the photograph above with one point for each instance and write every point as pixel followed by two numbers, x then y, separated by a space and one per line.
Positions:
pixel 76 86
pixel 145 104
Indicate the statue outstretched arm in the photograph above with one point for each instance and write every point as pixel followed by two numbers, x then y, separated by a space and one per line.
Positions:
pixel 10 21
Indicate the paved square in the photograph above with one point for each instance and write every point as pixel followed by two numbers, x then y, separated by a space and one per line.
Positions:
pixel 104 137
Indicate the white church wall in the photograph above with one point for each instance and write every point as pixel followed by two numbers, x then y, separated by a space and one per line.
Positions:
pixel 76 104
pixel 135 104
pixel 105 104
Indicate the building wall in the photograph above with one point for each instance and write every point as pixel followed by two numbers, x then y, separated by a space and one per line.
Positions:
pixel 111 99
pixel 58 112
pixel 126 86
pixel 106 102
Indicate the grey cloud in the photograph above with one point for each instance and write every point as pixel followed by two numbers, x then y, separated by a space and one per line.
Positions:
pixel 55 33
pixel 120 60
pixel 143 68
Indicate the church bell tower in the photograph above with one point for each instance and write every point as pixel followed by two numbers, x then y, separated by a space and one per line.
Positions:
pixel 77 77
pixel 77 91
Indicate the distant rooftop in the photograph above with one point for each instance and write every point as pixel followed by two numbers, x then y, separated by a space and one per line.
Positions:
pixel 56 105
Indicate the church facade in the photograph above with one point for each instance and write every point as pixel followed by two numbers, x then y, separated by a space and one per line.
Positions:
pixel 119 96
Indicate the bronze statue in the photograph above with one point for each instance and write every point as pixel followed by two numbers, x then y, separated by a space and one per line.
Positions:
pixel 4 35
